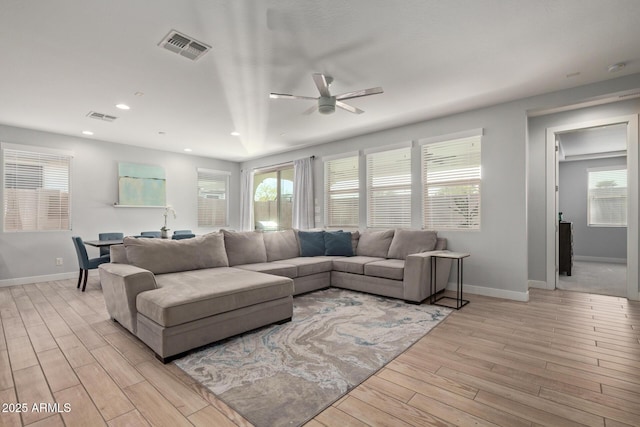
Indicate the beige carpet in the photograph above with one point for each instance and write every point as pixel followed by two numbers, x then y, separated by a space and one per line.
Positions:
pixel 597 278
pixel 284 375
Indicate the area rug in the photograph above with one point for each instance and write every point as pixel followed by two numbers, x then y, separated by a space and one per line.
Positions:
pixel 284 375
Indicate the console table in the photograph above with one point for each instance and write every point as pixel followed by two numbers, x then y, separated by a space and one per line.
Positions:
pixel 460 302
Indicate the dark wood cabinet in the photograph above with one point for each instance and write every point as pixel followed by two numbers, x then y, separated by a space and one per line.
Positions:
pixel 565 247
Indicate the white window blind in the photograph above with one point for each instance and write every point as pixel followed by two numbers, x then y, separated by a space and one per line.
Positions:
pixel 342 192
pixel 607 193
pixel 451 175
pixel 213 190
pixel 37 193
pixel 389 188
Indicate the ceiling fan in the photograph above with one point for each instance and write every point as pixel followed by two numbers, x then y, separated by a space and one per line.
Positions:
pixel 327 103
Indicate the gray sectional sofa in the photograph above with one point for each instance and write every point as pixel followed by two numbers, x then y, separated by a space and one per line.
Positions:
pixel 177 295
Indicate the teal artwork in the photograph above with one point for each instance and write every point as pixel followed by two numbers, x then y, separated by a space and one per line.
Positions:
pixel 141 185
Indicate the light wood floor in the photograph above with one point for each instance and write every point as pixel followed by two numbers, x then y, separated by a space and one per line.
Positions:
pixel 562 359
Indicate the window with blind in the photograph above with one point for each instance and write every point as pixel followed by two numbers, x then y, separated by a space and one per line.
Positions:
pixel 389 188
pixel 607 194
pixel 213 190
pixel 37 193
pixel 451 176
pixel 342 186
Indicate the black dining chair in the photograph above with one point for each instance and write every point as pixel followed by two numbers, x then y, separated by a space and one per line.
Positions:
pixel 182 234
pixel 104 250
pixel 155 234
pixel 84 262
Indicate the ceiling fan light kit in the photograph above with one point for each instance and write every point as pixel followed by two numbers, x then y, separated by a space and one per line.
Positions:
pixel 327 103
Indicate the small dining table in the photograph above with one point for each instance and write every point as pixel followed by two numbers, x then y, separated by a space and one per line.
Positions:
pixel 103 243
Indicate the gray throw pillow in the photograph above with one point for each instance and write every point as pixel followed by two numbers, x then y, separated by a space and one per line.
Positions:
pixel 406 242
pixel 374 243
pixel 170 256
pixel 281 245
pixel 244 247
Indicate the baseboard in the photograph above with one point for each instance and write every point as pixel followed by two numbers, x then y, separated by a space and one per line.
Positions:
pixel 599 259
pixel 538 284
pixel 491 292
pixel 37 279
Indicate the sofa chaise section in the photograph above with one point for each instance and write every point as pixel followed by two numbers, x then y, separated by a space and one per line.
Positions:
pixel 174 306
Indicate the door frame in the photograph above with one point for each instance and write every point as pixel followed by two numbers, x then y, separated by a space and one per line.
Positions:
pixel 631 121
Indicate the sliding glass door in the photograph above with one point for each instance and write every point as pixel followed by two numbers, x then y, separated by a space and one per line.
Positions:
pixel 272 198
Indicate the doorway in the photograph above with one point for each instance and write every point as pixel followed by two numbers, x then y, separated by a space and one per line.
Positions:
pixel 630 124
pixel 592 206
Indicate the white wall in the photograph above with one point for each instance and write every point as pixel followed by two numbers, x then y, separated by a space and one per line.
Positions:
pixel 498 259
pixel 592 242
pixel 30 256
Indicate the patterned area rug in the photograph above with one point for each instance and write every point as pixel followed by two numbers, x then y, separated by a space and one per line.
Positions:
pixel 284 375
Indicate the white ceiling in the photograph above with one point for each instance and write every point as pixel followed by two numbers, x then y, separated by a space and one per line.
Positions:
pixel 602 141
pixel 62 59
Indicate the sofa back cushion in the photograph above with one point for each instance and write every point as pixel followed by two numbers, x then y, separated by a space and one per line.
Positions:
pixel 281 245
pixel 118 254
pixel 244 247
pixel 337 243
pixel 374 243
pixel 406 242
pixel 171 256
pixel 311 243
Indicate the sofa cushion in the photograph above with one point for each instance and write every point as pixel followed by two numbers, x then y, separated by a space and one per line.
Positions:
pixel 311 243
pixel 191 295
pixel 353 264
pixel 338 243
pixel 407 242
pixel 388 268
pixel 244 247
pixel 309 265
pixel 281 245
pixel 168 256
pixel 277 268
pixel 375 243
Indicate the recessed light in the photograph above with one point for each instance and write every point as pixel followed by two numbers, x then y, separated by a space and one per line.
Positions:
pixel 576 74
pixel 139 93
pixel 188 150
pixel 162 132
pixel 87 132
pixel 234 133
pixel 616 67
pixel 123 106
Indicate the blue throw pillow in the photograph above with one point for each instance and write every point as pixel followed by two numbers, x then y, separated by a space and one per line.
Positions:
pixel 311 243
pixel 337 243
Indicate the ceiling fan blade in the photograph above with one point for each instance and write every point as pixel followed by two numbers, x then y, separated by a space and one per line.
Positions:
pixel 349 108
pixel 322 84
pixel 360 93
pixel 310 110
pixel 287 96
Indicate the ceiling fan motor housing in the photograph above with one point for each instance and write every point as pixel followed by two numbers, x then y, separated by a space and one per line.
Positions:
pixel 326 105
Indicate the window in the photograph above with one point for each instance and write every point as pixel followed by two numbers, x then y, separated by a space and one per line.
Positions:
pixel 451 184
pixel 213 188
pixel 389 188
pixel 607 194
pixel 273 198
pixel 342 192
pixel 36 189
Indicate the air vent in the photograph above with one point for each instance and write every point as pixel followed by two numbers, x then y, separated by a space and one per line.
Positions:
pixel 184 45
pixel 101 116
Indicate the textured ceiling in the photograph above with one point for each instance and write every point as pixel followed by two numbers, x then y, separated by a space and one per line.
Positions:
pixel 62 59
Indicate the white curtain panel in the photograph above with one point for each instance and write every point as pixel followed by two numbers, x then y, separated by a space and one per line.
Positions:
pixel 246 200
pixel 303 213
